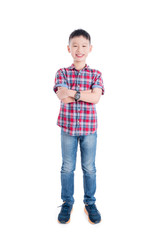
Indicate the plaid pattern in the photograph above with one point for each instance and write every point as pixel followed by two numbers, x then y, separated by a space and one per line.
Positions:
pixel 78 118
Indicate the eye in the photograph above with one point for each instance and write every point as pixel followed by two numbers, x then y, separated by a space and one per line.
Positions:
pixel 84 46
pixel 74 46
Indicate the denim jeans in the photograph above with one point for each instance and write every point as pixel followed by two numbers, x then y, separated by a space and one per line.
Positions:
pixel 69 146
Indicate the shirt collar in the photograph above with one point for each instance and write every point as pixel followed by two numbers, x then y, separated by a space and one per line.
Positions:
pixel 73 67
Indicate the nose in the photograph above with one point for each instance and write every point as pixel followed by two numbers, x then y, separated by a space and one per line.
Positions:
pixel 79 49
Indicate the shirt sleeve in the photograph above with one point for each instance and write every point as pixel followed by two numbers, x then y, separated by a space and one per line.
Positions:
pixel 60 80
pixel 98 82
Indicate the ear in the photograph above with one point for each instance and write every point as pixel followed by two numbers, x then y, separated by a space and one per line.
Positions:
pixel 90 48
pixel 69 50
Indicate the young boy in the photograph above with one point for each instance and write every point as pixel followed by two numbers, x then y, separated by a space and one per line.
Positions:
pixel 79 88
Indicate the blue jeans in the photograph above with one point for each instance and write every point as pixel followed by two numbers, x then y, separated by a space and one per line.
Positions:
pixel 69 146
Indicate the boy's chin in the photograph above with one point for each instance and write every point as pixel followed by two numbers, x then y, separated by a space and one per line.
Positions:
pixel 80 60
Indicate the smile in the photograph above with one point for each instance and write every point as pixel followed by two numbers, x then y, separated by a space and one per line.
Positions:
pixel 79 55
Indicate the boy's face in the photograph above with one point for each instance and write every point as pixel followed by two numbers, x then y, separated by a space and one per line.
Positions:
pixel 79 48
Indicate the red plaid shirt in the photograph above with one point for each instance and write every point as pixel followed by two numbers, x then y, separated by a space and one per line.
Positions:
pixel 78 118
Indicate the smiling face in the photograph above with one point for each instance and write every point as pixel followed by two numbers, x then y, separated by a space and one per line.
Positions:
pixel 79 48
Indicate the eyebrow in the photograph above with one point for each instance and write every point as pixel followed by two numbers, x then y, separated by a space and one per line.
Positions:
pixel 77 43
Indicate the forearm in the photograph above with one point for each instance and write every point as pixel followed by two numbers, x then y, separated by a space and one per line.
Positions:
pixel 71 96
pixel 68 100
pixel 89 97
pixel 68 96
pixel 86 96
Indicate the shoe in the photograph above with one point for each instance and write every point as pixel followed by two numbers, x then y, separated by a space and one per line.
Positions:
pixel 64 215
pixel 93 214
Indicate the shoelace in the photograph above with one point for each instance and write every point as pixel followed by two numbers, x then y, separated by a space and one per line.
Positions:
pixel 64 203
pixel 64 206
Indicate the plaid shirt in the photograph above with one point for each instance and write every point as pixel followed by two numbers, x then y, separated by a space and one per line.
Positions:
pixel 78 118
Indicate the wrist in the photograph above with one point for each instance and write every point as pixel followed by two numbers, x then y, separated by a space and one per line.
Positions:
pixel 72 93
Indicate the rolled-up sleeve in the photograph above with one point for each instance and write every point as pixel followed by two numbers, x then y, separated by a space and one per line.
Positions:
pixel 98 82
pixel 60 80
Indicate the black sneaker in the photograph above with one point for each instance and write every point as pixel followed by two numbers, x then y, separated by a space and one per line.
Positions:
pixel 64 215
pixel 93 214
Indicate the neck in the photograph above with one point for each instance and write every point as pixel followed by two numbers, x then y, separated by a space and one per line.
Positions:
pixel 79 65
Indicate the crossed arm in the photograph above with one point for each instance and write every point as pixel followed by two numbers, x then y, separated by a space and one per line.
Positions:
pixel 67 96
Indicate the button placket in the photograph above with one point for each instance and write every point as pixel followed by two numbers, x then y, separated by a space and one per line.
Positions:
pixel 77 105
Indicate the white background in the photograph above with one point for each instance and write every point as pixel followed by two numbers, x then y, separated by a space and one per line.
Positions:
pixel 33 46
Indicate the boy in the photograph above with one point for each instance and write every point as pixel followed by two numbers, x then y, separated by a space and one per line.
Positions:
pixel 79 88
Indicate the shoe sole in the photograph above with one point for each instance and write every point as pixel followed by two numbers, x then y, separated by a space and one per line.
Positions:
pixel 85 210
pixel 67 221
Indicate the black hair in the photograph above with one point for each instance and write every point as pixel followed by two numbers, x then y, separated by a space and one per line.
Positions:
pixel 80 32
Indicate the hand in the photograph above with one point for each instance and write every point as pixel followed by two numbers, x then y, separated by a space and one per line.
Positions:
pixel 88 91
pixel 62 93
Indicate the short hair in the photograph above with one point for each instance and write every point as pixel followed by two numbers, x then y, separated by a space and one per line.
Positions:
pixel 80 32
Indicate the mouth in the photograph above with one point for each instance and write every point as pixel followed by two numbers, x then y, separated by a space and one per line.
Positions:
pixel 79 55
